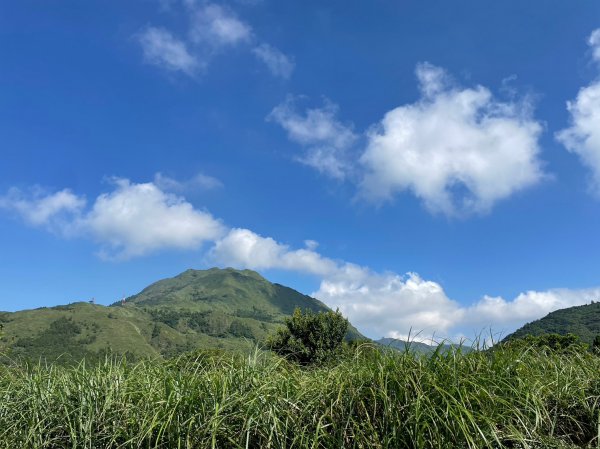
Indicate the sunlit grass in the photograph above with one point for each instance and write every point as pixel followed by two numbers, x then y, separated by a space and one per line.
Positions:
pixel 369 399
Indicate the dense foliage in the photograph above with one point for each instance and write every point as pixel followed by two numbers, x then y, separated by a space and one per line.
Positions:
pixel 550 342
pixel 583 321
pixel 511 397
pixel 309 337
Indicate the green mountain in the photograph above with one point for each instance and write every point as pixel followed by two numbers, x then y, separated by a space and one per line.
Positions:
pixel 583 321
pixel 418 347
pixel 216 308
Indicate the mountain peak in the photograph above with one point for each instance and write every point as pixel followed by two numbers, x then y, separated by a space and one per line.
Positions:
pixel 214 308
pixel 217 271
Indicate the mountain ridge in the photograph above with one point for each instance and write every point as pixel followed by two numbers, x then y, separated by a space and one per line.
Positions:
pixel 582 320
pixel 420 347
pixel 216 308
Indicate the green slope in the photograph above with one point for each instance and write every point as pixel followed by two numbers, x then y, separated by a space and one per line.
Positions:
pixel 216 308
pixel 583 321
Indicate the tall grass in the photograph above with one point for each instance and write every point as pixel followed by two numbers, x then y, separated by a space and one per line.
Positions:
pixel 370 399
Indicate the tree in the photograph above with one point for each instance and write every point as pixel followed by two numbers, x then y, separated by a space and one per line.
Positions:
pixel 309 337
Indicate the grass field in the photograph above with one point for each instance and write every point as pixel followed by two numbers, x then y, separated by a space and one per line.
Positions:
pixel 369 399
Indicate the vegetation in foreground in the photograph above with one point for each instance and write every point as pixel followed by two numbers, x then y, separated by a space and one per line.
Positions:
pixel 513 396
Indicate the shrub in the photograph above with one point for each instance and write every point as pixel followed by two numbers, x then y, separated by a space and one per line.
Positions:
pixel 309 337
pixel 550 342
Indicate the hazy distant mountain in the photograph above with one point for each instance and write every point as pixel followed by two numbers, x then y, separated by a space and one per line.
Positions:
pixel 583 321
pixel 417 347
pixel 216 308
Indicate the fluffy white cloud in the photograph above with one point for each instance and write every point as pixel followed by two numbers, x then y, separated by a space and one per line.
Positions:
pixel 135 219
pixel 327 140
pixel 501 314
pixel 398 306
pixel 161 48
pixel 389 304
pixel 244 248
pixel 218 26
pixel 278 63
pixel 583 136
pixel 131 220
pixel 458 149
pixel 38 208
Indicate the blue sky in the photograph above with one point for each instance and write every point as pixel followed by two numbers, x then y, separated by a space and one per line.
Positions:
pixel 427 166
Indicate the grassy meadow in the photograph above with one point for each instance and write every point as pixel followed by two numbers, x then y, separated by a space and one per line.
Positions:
pixel 509 397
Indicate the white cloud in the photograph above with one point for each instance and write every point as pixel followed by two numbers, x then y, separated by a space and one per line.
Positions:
pixel 218 26
pixel 390 304
pixel 432 80
pixel 327 140
pixel 278 63
pixel 199 182
pixel 458 149
pixel 212 30
pixel 244 248
pixel 583 136
pixel 161 48
pixel 135 219
pixel 398 306
pixel 497 312
pixel 38 208
pixel 132 220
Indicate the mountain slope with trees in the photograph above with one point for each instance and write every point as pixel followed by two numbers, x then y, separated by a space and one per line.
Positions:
pixel 582 321
pixel 216 308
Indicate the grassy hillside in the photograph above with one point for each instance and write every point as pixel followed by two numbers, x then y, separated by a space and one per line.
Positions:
pixel 227 309
pixel 583 321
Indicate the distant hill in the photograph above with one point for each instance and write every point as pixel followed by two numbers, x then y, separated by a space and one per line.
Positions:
pixel 417 347
pixel 216 308
pixel 583 321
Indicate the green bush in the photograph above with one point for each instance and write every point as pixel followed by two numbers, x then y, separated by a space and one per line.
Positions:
pixel 550 342
pixel 309 337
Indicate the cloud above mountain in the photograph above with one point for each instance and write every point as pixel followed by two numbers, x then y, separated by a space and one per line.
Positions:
pixel 136 219
pixel 391 304
pixel 458 149
pixel 131 220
